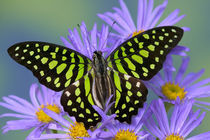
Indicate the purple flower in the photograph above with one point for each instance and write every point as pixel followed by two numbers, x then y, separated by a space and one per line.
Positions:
pixel 89 41
pixel 31 115
pixel 113 129
pixel 168 87
pixel 147 18
pixel 182 122
pixel 68 129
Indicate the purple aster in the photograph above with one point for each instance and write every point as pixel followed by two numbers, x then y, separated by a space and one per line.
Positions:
pixel 69 128
pixel 147 18
pixel 89 41
pixel 31 115
pixel 113 129
pixel 168 87
pixel 182 122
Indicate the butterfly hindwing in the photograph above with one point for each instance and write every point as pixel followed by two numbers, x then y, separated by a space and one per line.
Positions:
pixel 143 55
pixel 55 66
pixel 77 100
pixel 130 95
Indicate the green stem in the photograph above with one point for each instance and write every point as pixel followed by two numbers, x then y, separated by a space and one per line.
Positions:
pixel 168 106
pixel 55 132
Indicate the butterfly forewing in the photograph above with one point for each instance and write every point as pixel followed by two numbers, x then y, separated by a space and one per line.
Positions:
pixel 130 95
pixel 55 66
pixel 77 100
pixel 143 55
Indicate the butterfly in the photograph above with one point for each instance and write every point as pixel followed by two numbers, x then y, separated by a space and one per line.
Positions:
pixel 89 82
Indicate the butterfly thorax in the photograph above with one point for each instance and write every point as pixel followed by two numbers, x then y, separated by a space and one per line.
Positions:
pixel 99 63
pixel 102 82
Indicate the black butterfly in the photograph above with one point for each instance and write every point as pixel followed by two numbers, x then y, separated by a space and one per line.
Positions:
pixel 91 82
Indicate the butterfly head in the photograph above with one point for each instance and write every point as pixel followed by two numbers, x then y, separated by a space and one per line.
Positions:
pixel 99 63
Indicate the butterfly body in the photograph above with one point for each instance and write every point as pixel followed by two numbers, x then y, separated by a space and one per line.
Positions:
pixel 87 82
pixel 102 87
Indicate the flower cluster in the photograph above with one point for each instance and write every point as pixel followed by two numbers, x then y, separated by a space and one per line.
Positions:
pixel 176 94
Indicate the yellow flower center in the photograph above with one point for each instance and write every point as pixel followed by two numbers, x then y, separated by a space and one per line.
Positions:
pixel 125 135
pixel 172 91
pixel 174 137
pixel 78 130
pixel 137 32
pixel 43 117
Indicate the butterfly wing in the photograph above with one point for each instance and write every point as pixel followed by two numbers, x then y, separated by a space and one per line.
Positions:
pixel 77 100
pixel 55 66
pixel 130 95
pixel 143 55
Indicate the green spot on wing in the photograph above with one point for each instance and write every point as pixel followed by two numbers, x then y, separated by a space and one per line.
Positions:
pixel 46 47
pixel 118 95
pixel 117 82
pixel 61 67
pixel 90 99
pixel 53 64
pixel 128 85
pixel 87 86
pixel 144 53
pixel 44 60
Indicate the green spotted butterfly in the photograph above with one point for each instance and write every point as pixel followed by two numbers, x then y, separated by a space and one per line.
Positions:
pixel 91 82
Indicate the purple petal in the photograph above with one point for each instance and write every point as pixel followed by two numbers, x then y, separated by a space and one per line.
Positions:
pixel 199 84
pixel 202 102
pixel 127 14
pixel 15 106
pixel 149 12
pixel 56 126
pixel 110 22
pixel 93 37
pixel 186 29
pixel 36 132
pixel 157 13
pixel 177 19
pixel 170 17
pixel 52 136
pixel 17 116
pixel 202 136
pixel 66 43
pixel 160 116
pixel 180 50
pixel 202 107
pixel 174 118
pixel 191 78
pixel 72 39
pixel 194 125
pixel 122 22
pixel 33 91
pixel 140 15
pixel 191 119
pixel 182 69
pixel 152 127
pixel 144 14
pixel 199 92
pixel 20 125
pixel 57 117
pixel 181 119
pixel 23 102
